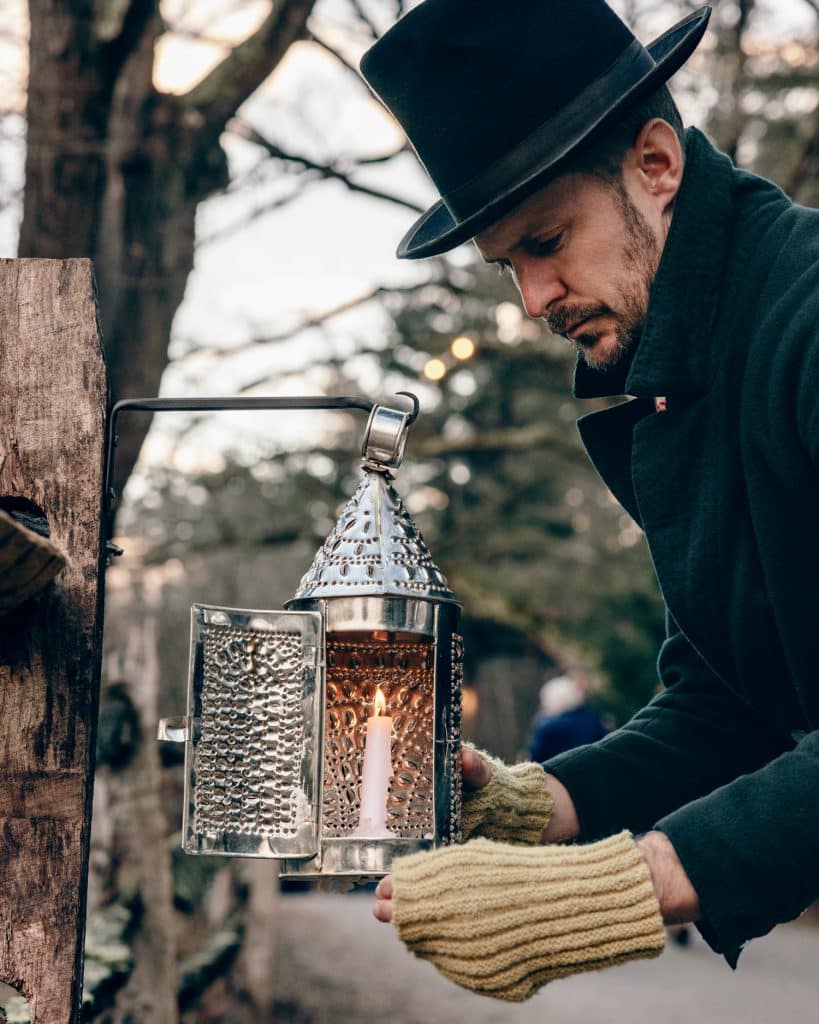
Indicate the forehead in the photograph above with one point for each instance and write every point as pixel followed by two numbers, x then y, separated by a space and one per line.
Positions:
pixel 546 210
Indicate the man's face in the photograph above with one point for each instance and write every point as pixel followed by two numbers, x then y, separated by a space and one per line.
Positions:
pixel 583 257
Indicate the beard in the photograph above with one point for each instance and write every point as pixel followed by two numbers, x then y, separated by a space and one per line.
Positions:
pixel 640 258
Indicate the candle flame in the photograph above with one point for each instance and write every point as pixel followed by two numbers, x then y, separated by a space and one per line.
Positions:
pixel 380 703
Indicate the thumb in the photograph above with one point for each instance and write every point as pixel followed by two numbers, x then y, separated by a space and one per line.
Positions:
pixel 476 771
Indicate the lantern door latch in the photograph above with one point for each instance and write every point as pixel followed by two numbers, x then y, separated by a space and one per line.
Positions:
pixel 172 730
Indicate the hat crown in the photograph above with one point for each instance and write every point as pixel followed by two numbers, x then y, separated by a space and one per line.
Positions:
pixel 495 98
pixel 496 71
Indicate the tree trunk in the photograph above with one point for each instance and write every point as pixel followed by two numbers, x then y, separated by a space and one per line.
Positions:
pixel 115 170
pixel 133 848
pixel 258 959
pixel 67 114
pixel 106 177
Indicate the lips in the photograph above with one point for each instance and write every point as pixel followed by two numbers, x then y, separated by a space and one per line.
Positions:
pixel 572 331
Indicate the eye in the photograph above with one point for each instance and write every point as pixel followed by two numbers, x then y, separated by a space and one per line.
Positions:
pixel 547 246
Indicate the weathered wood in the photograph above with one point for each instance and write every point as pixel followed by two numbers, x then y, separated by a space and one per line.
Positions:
pixel 53 403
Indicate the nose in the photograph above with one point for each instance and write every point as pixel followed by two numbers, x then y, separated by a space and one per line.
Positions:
pixel 539 286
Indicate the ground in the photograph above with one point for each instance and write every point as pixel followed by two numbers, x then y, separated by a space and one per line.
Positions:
pixel 338 965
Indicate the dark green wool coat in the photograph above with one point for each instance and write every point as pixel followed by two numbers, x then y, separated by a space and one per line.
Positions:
pixel 725 483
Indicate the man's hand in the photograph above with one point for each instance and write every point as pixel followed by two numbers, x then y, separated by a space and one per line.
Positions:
pixel 475 770
pixel 382 909
pixel 476 773
pixel 678 899
pixel 501 802
pixel 503 919
pixel 679 903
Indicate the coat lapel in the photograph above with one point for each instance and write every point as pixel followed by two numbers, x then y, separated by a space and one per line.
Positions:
pixel 607 437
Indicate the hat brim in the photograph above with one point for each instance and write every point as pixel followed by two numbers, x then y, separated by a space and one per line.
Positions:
pixel 438 231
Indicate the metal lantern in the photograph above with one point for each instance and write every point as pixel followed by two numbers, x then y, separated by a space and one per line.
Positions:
pixel 326 734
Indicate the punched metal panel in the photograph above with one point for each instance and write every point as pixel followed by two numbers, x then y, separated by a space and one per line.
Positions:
pixel 255 706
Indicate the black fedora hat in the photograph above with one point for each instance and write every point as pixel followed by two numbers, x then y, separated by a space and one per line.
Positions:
pixel 495 96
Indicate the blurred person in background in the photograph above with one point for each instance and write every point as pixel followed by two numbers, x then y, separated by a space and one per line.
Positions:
pixel 692 288
pixel 565 719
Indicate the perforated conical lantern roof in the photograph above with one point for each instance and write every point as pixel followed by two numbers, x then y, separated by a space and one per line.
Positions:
pixel 375 548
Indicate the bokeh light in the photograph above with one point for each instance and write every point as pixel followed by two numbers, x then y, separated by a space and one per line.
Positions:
pixel 463 347
pixel 435 369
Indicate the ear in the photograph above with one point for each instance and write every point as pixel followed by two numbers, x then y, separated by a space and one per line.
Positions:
pixel 657 159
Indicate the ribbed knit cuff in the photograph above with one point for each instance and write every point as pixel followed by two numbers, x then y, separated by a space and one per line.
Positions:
pixel 514 807
pixel 504 920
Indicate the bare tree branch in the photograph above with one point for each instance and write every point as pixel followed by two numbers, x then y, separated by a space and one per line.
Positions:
pixel 367 161
pixel 314 321
pixel 737 58
pixel 492 604
pixel 257 212
pixel 199 36
pixel 328 171
pixel 218 96
pixel 335 53
pixel 503 440
pixel 362 16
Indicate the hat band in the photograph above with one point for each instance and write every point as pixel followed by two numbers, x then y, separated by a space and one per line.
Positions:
pixel 538 150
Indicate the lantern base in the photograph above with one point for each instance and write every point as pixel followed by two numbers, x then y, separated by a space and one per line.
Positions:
pixel 354 857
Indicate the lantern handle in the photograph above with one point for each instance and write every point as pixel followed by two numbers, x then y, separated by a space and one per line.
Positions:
pixel 221 404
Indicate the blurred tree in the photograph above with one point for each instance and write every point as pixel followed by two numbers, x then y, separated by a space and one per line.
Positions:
pixel 115 168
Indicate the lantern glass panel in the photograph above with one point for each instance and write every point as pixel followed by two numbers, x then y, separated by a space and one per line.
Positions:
pixel 402 667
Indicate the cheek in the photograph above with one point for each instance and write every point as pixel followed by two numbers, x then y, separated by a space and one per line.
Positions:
pixel 593 270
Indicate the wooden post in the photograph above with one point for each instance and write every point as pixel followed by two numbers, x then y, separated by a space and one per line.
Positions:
pixel 53 402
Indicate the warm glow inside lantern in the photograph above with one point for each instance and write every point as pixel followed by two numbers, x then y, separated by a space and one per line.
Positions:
pixel 326 735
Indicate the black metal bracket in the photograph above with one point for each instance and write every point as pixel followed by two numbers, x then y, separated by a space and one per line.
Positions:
pixel 221 405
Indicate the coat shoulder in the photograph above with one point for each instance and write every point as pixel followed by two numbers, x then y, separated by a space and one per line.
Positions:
pixel 773 284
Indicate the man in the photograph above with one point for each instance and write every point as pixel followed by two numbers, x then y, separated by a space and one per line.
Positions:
pixel 692 288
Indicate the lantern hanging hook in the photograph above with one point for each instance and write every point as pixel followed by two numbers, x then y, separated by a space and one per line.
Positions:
pixel 385 437
pixel 416 406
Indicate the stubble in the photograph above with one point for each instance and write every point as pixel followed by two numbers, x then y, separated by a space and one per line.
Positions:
pixel 640 259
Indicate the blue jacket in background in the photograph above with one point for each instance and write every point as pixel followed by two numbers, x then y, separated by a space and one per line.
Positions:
pixel 554 734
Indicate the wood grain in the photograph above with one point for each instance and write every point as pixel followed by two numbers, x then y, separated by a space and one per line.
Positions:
pixel 53 406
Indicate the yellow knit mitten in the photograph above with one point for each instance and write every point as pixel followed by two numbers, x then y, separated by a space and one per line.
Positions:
pixel 513 807
pixel 504 920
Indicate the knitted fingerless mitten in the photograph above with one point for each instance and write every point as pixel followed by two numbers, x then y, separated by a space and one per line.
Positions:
pixel 504 920
pixel 513 807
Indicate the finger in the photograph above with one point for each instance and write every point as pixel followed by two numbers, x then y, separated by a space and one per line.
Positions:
pixel 382 911
pixel 476 771
pixel 383 891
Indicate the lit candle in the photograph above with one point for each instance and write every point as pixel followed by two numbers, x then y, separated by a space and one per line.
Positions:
pixel 376 773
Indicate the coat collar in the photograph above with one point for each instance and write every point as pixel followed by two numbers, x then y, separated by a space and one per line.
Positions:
pixel 674 353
